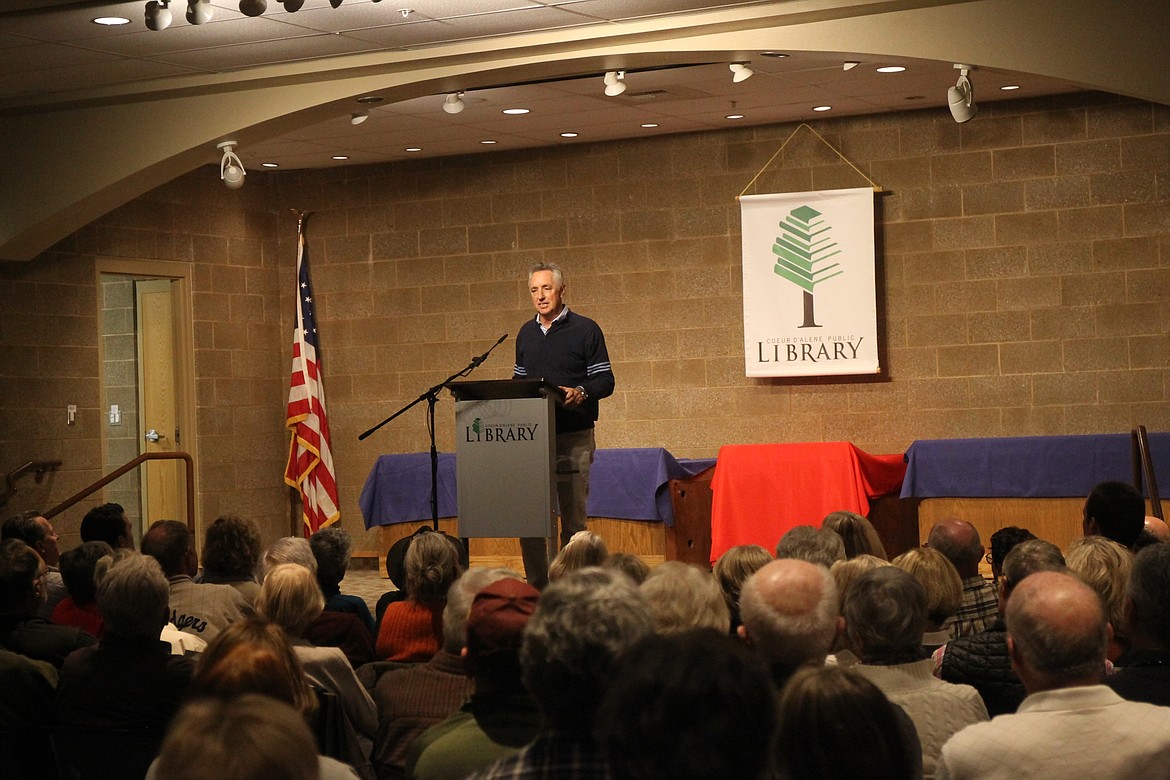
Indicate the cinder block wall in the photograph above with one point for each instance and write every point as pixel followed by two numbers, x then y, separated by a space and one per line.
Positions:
pixel 1024 275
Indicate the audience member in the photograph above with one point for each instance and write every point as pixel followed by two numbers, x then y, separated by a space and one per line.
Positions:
pixel 37 532
pixel 982 660
pixel 500 717
pixel 202 609
pixel 633 566
pixel 1155 531
pixel 1070 725
pixel 1002 542
pixel 22 593
pixel 251 737
pixel 343 630
pixel 252 656
pixel 1104 566
pixel 108 523
pixel 816 545
pixel 857 534
pixel 291 598
pixel 681 597
pixel 411 700
pixel 585 548
pixel 732 570
pixel 1145 668
pixel 27 692
pixel 885 614
pixel 80 607
pixel 582 624
pixel 789 610
pixel 130 680
pixel 412 630
pixel 943 588
pixel 396 572
pixel 231 552
pixel 1115 510
pixel 705 708
pixel 332 548
pixel 844 572
pixel 836 725
pixel 959 542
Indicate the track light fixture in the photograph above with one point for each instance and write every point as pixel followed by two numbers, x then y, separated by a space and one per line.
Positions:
pixel 198 11
pixel 253 7
pixel 357 117
pixel 740 71
pixel 615 82
pixel 231 170
pixel 292 5
pixel 158 16
pixel 961 97
pixel 453 103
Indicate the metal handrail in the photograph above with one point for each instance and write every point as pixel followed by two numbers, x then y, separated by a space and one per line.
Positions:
pixel 101 483
pixel 39 466
pixel 1143 466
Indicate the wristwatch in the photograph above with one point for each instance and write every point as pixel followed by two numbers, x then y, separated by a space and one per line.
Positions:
pixel 584 395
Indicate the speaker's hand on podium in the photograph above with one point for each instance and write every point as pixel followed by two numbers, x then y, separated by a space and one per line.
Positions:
pixel 574 396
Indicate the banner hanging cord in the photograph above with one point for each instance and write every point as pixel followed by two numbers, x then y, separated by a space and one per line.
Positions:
pixel 806 126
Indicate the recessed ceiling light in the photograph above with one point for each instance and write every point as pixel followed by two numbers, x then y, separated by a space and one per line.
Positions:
pixel 515 111
pixel 822 108
pixel 340 157
pixel 269 165
pixel 1009 87
pixel 891 69
pixel 734 116
pixel 370 100
pixel 413 149
pixel 488 141
pixel 568 135
pixel 111 21
pixel 778 54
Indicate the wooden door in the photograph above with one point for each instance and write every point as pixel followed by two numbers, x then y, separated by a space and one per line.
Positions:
pixel 162 497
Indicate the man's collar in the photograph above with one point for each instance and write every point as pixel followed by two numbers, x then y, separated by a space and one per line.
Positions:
pixel 564 312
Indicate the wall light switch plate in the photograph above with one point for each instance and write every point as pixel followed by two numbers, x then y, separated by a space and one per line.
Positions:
pixel 70 414
pixel 115 415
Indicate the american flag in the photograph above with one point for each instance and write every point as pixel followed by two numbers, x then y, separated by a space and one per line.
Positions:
pixel 310 461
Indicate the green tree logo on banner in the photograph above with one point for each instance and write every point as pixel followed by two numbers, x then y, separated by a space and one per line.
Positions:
pixel 803 245
pixel 476 424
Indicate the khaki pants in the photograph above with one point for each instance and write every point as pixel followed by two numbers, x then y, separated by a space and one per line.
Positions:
pixel 574 458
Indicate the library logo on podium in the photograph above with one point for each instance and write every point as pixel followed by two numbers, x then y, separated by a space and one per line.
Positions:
pixel 479 431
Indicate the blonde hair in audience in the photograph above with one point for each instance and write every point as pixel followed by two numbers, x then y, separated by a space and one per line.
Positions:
pixel 585 548
pixel 938 577
pixel 681 597
pixel 1103 565
pixel 432 564
pixel 250 737
pixel 857 533
pixel 290 597
pixel 844 572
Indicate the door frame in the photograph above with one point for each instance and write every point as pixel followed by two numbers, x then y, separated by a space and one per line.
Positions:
pixel 182 275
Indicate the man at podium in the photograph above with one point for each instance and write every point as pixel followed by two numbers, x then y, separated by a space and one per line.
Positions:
pixel 566 350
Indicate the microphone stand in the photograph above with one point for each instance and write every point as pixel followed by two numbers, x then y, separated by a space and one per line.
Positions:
pixel 431 396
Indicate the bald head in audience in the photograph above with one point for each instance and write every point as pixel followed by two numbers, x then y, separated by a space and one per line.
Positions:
pixel 1057 632
pixel 789 612
pixel 959 542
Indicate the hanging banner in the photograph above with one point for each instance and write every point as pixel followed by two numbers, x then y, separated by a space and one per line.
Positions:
pixel 809 287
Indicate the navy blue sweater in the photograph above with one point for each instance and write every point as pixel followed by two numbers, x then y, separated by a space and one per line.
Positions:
pixel 571 354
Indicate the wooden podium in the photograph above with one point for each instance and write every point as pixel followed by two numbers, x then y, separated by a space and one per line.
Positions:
pixel 505 445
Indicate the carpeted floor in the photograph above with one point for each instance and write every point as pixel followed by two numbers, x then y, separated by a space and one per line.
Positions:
pixel 367 583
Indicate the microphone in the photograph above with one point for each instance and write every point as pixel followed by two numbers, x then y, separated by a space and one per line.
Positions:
pixel 479 360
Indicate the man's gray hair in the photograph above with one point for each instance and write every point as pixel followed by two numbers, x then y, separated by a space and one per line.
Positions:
pixel 288 549
pixel 785 638
pixel 459 597
pixel 1149 587
pixel 885 615
pixel 582 623
pixel 1030 557
pixel 558 274
pixel 331 548
pixel 1050 644
pixel 681 597
pixel 134 597
pixel 816 545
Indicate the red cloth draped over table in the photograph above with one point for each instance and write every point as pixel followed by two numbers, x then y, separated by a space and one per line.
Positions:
pixel 762 490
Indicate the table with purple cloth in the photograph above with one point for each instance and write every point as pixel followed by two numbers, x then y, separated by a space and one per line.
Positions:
pixel 1025 466
pixel 624 484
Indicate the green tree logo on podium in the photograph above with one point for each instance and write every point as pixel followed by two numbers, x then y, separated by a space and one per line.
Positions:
pixel 804 244
pixel 476 424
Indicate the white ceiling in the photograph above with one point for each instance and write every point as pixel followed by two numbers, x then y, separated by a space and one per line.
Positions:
pixel 51 53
